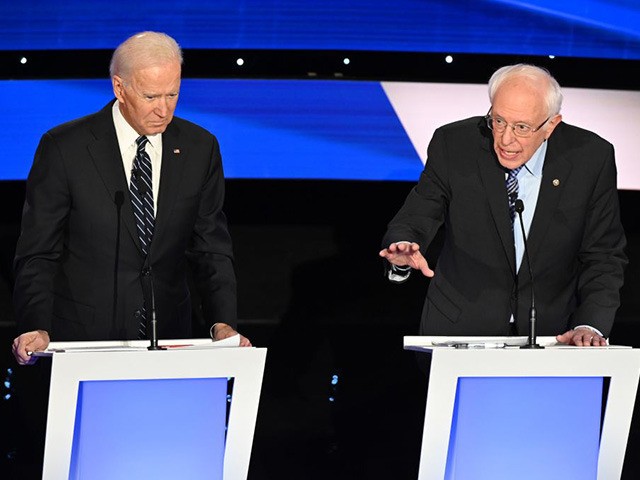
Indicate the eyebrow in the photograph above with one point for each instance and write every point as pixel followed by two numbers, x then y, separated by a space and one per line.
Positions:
pixel 514 123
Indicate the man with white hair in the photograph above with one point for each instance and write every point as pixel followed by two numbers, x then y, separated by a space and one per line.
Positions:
pixel 81 244
pixel 477 172
pixel 119 204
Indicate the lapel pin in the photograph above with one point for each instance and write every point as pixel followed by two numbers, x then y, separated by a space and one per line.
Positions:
pixel 556 182
pixel 176 150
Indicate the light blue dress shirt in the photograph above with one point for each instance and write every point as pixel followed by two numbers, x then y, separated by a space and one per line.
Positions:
pixel 529 180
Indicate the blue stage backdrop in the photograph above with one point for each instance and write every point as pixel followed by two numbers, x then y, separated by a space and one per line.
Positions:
pixel 266 128
pixel 577 28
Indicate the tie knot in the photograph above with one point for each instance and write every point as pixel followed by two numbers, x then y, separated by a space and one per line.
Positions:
pixel 514 173
pixel 142 141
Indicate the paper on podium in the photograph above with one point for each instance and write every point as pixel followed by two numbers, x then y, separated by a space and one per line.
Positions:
pixel 137 345
pixel 422 343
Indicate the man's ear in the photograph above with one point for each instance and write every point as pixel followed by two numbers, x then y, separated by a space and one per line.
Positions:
pixel 551 125
pixel 118 88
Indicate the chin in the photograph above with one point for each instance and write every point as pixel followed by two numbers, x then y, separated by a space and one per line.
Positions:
pixel 156 130
pixel 511 163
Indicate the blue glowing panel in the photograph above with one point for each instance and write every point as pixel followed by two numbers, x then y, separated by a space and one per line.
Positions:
pixel 582 28
pixel 34 106
pixel 525 428
pixel 290 129
pixel 171 428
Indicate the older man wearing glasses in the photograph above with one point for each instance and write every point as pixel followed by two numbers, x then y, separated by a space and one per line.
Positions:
pixel 478 171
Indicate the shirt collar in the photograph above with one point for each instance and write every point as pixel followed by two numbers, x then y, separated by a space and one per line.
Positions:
pixel 536 162
pixel 127 136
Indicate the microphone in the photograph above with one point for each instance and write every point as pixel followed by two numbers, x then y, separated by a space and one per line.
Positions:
pixel 532 342
pixel 150 302
pixel 118 199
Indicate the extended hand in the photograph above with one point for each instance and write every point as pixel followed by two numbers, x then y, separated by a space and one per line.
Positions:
pixel 35 341
pixel 407 254
pixel 582 337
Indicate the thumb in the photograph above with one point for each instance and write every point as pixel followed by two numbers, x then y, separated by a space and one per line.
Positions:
pixel 423 265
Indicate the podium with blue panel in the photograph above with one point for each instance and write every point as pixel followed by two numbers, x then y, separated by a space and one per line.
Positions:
pixel 495 411
pixel 119 411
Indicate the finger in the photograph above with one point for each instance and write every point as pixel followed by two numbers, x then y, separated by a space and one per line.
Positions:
pixel 21 356
pixel 584 339
pixel 426 271
pixel 597 341
pixel 392 248
pixel 409 248
pixel 580 340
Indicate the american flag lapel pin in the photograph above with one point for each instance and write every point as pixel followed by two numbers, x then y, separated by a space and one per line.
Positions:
pixel 176 151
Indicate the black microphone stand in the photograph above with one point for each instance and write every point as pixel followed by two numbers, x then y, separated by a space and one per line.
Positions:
pixel 119 201
pixel 532 341
pixel 154 324
pixel 151 311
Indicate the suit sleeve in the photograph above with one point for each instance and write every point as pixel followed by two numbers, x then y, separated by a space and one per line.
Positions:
pixel 425 207
pixel 210 252
pixel 40 245
pixel 602 258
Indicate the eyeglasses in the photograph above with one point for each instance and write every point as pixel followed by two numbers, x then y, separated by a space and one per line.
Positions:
pixel 499 124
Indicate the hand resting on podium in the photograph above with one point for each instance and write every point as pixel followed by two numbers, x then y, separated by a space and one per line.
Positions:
pixel 38 340
pixel 582 337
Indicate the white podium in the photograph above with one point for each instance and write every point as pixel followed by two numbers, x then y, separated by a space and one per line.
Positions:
pixel 495 411
pixel 119 411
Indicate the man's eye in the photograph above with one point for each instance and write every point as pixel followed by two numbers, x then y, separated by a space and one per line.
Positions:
pixel 500 122
pixel 521 127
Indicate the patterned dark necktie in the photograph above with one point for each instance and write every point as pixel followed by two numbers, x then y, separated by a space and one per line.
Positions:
pixel 142 202
pixel 512 191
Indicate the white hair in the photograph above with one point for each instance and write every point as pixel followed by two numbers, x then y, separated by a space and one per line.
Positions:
pixel 553 93
pixel 142 50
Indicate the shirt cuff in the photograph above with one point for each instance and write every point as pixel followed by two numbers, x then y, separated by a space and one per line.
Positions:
pixel 399 274
pixel 211 330
pixel 590 328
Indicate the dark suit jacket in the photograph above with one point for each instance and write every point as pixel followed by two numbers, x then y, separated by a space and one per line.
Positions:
pixel 65 257
pixel 575 243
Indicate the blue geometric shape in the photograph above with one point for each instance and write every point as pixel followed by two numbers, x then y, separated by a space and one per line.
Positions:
pixel 302 129
pixel 525 428
pixel 170 428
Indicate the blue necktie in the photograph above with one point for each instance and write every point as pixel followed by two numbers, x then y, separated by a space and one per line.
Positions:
pixel 512 191
pixel 142 202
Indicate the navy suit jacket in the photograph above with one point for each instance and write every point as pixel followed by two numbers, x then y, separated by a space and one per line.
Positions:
pixel 65 258
pixel 576 241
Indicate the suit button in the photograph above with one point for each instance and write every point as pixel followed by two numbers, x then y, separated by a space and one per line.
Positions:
pixel 137 314
pixel 146 271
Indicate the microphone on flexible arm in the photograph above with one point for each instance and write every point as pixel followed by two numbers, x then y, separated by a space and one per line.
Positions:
pixel 118 199
pixel 532 342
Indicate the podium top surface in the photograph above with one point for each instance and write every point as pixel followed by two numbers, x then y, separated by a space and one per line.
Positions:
pixel 429 343
pixel 136 345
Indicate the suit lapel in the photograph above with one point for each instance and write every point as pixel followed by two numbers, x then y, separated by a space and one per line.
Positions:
pixel 555 172
pixel 106 156
pixel 493 179
pixel 174 155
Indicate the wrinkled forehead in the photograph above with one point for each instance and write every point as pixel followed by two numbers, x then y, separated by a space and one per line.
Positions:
pixel 519 99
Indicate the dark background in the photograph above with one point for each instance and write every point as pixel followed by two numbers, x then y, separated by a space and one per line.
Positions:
pixel 341 399
pixel 311 290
